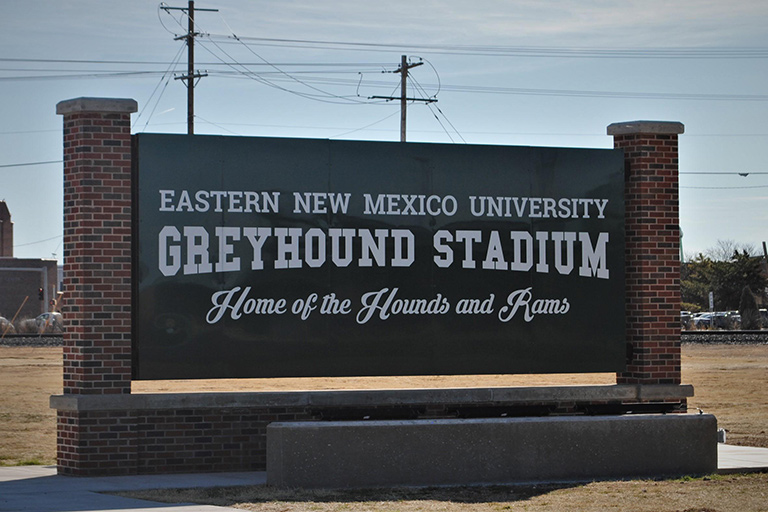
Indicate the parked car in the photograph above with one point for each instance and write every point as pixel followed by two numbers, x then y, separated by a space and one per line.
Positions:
pixel 717 320
pixel 50 322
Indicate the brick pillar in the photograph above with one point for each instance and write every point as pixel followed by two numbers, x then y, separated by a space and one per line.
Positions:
pixel 97 245
pixel 652 250
pixel 97 284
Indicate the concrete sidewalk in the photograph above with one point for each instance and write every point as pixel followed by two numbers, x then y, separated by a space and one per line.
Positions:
pixel 39 489
pixel 741 459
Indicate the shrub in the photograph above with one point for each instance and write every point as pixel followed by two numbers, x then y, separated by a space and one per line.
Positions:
pixel 693 308
pixel 27 326
pixel 6 327
pixel 750 315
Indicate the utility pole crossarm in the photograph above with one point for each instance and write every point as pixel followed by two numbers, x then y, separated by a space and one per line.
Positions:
pixel 391 98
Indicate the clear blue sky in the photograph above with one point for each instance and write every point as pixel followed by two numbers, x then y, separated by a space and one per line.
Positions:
pixel 552 73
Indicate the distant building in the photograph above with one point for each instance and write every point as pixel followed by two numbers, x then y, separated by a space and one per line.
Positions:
pixel 27 285
pixel 6 232
pixel 28 281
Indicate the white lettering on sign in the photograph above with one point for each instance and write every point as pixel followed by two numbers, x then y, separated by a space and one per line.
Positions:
pixel 229 201
pixel 190 252
pixel 404 204
pixel 557 247
pixel 537 207
pixel 523 301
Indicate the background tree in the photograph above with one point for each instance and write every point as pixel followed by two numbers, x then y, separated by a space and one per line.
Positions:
pixel 725 276
pixel 724 250
pixel 750 316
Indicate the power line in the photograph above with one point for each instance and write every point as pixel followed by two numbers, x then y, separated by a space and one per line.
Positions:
pixel 220 125
pixel 473 89
pixel 39 241
pixel 528 51
pixel 167 78
pixel 559 92
pixel 727 188
pixel 122 74
pixel 216 63
pixel 323 96
pixel 364 127
pixel 32 163
pixel 730 173
pixel 433 106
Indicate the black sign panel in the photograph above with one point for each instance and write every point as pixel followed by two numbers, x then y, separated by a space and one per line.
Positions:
pixel 265 257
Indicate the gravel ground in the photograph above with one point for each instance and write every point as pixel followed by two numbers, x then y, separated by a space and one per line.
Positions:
pixel 31 341
pixel 726 337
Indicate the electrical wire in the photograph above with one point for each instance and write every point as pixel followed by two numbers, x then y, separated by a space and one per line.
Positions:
pixel 323 96
pixel 434 70
pixel 67 77
pixel 366 126
pixel 727 188
pixel 39 241
pixel 250 74
pixel 152 112
pixel 731 173
pixel 525 51
pixel 472 89
pixel 216 125
pixel 433 105
pixel 163 6
pixel 165 63
pixel 166 77
pixel 32 163
pixel 417 87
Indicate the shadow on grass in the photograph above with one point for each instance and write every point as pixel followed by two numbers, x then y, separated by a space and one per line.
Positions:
pixel 229 496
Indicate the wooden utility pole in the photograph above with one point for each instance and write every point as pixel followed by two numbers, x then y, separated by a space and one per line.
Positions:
pixel 191 75
pixel 403 70
pixel 403 82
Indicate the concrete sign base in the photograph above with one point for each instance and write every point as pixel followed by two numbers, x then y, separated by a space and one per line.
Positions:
pixel 488 451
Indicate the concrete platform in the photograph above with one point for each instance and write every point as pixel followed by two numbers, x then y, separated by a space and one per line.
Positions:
pixel 359 454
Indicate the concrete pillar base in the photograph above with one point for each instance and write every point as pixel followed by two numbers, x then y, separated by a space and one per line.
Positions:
pixel 358 454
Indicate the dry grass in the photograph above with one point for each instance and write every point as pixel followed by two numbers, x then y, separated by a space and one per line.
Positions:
pixel 28 376
pixel 731 381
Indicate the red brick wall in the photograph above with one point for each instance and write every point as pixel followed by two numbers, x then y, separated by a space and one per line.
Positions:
pixel 97 245
pixel 190 440
pixel 652 250
pixel 96 443
pixel 204 440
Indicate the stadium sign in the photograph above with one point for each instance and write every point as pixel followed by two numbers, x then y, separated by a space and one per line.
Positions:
pixel 265 257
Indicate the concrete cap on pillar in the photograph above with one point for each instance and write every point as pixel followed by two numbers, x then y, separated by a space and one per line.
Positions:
pixel 649 127
pixel 117 105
